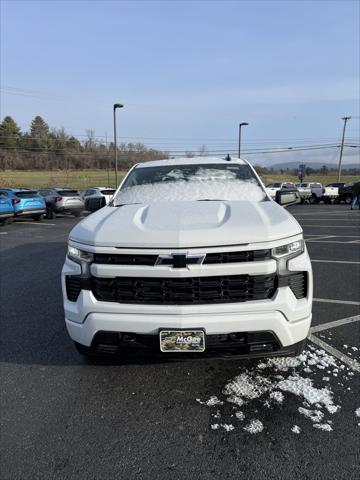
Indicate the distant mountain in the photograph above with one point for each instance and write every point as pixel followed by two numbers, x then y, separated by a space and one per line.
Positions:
pixel 315 165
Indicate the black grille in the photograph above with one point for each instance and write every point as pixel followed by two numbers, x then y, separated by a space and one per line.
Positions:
pixel 297 282
pixel 236 257
pixel 184 291
pixel 124 259
pixel 73 287
pixel 211 258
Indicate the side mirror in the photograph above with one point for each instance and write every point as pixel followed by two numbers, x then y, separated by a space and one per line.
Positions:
pixel 287 197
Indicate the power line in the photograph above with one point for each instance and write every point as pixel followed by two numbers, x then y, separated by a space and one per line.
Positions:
pixel 172 153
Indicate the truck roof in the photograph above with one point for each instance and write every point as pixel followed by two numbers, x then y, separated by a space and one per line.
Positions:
pixel 191 161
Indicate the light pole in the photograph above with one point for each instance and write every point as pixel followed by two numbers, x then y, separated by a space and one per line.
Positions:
pixel 342 147
pixel 243 124
pixel 116 105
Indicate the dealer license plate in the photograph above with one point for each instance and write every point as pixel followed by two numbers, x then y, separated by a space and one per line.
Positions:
pixel 182 341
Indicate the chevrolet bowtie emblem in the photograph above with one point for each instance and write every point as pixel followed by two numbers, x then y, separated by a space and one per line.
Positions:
pixel 180 260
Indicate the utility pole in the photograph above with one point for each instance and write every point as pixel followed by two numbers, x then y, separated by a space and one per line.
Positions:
pixel 116 105
pixel 342 147
pixel 243 124
pixel 108 156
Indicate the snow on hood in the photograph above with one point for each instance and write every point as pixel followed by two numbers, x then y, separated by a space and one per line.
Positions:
pixel 206 184
pixel 186 224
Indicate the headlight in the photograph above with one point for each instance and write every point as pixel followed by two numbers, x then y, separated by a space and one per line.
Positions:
pixel 289 250
pixel 79 255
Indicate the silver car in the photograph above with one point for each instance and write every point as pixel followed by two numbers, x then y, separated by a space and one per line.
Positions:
pixel 62 200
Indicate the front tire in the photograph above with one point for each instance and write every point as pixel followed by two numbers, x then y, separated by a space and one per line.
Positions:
pixel 38 218
pixel 312 199
pixel 348 199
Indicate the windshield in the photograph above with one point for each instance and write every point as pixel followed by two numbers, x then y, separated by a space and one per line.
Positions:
pixel 189 183
pixel 68 193
pixel 26 194
pixel 107 192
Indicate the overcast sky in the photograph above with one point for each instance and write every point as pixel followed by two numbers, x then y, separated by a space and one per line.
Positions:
pixel 187 72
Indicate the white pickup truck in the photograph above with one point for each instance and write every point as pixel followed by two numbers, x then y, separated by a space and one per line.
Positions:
pixel 332 191
pixel 315 188
pixel 191 258
pixel 272 188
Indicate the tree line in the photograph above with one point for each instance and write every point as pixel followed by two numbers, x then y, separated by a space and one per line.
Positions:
pixel 42 148
pixel 45 148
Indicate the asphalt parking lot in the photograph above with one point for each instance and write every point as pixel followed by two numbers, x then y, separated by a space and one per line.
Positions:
pixel 63 417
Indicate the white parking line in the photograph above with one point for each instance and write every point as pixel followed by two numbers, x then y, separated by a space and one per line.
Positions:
pixel 335 323
pixel 3 233
pixel 330 241
pixel 318 237
pixel 329 300
pixel 335 353
pixel 336 261
pixel 333 212
pixel 334 236
pixel 327 219
pixel 38 224
pixel 332 226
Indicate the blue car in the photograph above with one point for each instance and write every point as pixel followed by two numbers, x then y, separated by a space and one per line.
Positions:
pixel 6 210
pixel 26 203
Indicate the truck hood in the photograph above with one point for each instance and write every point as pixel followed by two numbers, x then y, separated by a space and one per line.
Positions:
pixel 186 224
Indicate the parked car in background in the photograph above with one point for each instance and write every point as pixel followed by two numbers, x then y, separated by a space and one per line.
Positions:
pixel 332 191
pixel 62 200
pixel 272 188
pixel 316 188
pixel 6 210
pixel 26 203
pixel 345 193
pixel 305 192
pixel 97 197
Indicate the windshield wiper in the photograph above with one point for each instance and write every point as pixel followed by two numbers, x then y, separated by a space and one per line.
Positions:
pixel 123 204
pixel 212 200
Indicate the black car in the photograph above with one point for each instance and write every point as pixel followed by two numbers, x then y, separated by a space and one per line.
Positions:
pixel 345 194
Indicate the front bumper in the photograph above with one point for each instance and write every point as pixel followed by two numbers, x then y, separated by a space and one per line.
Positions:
pixel 287 317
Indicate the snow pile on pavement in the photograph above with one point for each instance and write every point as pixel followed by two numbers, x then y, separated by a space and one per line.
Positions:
pixel 273 382
pixel 255 426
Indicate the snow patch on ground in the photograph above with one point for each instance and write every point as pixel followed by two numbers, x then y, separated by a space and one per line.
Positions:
pixel 323 426
pixel 211 402
pixel 277 396
pixel 240 415
pixel 255 426
pixel 269 384
pixel 227 427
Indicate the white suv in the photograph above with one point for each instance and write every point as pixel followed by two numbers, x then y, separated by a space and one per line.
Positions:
pixel 96 197
pixel 191 257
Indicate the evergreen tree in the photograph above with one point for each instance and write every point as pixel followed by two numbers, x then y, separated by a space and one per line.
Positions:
pixel 10 134
pixel 39 133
